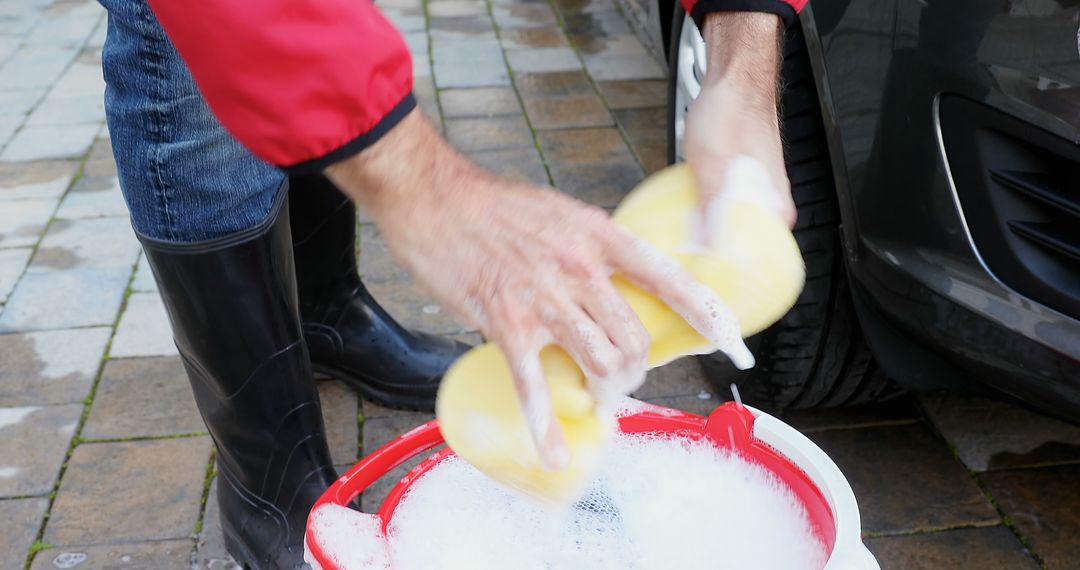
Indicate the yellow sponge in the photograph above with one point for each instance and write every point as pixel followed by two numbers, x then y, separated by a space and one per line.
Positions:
pixel 752 262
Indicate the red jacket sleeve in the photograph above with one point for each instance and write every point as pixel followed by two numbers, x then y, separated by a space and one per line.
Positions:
pixel 786 9
pixel 301 83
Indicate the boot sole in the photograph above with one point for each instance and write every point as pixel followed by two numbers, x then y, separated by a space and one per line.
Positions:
pixel 375 395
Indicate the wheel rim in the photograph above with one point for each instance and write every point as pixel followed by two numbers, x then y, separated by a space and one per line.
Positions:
pixel 690 71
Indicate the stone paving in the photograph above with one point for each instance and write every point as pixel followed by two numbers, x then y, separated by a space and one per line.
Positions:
pixel 106 462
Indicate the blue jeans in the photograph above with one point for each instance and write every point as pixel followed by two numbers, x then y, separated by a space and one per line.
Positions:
pixel 184 178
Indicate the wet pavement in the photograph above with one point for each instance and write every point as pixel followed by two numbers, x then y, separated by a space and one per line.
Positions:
pixel 106 462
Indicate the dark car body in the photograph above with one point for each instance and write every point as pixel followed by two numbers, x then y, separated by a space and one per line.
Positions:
pixel 953 130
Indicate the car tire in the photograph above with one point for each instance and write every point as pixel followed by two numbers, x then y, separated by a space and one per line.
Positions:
pixel 815 356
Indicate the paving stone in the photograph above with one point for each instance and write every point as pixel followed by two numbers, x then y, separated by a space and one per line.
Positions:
pixel 614 44
pixel 93 198
pixel 612 67
pixel 533 38
pixel 906 480
pixel 523 15
pixel 36 143
pixel 584 146
pixel 152 490
pixel 97 37
pixel 417 41
pixel 144 329
pixel 972 548
pixel 470 27
pixel 33 443
pixel 376 263
pixel 99 167
pixel 403 3
pixel 35 180
pixel 523 164
pixel 65 299
pixel 646 129
pixel 1042 504
pixel 340 410
pixel 8 46
pixel 543 59
pixel 634 94
pixel 603 184
pixel 23 221
pixel 144 277
pixel 18 102
pixel 457 8
pixel 560 83
pixel 74 110
pixel 35 66
pixel 380 430
pixel 372 411
pixel 8 125
pixel 137 556
pixel 405 19
pixel 22 520
pixel 479 102
pixel 989 434
pixel 594 26
pixel 569 111
pixel 464 47
pixel 65 24
pixel 421 65
pixel 100 150
pixel 894 412
pixel 584 6
pixel 682 377
pixel 50 367
pixel 12 264
pixel 83 77
pixel 594 165
pixel 143 397
pixel 424 91
pixel 376 433
pixel 95 242
pixel 495 133
pixel 489 71
pixel 414 309
pixel 210 545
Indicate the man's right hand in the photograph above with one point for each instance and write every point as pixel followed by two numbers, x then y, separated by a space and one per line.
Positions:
pixel 528 266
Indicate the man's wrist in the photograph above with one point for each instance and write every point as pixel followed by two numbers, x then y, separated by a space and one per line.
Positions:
pixel 743 52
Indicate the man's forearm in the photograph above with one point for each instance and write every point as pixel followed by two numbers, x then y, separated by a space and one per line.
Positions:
pixel 743 51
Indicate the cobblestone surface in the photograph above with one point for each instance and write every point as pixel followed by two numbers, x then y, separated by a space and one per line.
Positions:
pixel 105 460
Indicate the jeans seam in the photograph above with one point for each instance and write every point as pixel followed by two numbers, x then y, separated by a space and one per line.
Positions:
pixel 159 117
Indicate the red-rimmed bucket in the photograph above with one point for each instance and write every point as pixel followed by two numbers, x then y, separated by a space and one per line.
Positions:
pixel 758 437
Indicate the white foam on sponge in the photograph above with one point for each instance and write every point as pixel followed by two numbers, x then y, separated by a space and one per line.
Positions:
pixel 656 504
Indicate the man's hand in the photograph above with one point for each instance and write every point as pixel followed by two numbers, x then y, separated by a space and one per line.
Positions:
pixel 736 113
pixel 528 266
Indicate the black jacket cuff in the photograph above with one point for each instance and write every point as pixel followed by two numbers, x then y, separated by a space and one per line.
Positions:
pixel 358 144
pixel 705 7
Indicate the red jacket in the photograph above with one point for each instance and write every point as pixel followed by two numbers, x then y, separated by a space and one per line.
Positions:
pixel 305 83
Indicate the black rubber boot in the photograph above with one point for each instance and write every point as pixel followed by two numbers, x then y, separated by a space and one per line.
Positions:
pixel 233 307
pixel 349 335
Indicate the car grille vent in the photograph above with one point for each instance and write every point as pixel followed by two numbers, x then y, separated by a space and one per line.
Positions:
pixel 1019 188
pixel 1060 233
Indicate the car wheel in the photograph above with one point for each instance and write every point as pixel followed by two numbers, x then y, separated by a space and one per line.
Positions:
pixel 815 356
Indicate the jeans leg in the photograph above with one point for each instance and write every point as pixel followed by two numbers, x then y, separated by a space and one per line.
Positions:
pixel 183 176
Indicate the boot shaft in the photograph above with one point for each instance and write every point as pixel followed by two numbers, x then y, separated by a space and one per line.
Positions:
pixel 323 222
pixel 233 307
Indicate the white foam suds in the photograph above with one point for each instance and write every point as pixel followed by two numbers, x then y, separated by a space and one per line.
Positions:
pixel 656 504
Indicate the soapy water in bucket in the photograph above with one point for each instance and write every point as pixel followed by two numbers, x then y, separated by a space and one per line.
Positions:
pixel 656 503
